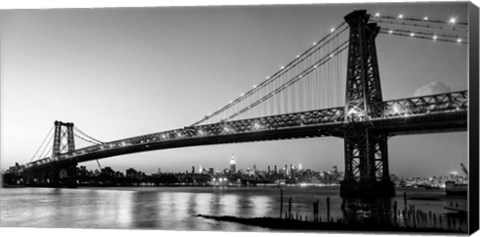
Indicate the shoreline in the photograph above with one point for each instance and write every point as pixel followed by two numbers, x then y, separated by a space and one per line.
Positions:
pixel 299 225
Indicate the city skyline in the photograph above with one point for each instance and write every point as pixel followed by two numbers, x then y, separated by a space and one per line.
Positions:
pixel 89 62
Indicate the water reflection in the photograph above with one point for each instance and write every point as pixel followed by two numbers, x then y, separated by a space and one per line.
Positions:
pixel 145 209
pixel 176 208
pixel 228 205
pixel 261 205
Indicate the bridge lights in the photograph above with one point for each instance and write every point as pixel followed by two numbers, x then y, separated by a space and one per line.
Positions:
pixel 257 126
pixel 302 119
pixel 356 112
pixel 396 109
pixel 226 129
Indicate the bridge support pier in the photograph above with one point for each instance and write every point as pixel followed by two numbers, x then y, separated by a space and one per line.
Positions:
pixel 65 175
pixel 54 175
pixel 366 164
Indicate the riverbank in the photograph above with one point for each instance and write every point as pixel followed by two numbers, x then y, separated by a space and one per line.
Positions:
pixel 300 225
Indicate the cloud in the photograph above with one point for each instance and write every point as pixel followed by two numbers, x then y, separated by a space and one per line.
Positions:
pixel 432 88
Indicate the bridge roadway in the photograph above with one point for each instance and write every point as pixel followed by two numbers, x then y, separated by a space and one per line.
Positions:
pixel 426 114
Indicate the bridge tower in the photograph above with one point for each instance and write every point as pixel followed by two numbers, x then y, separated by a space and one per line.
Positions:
pixel 63 173
pixel 63 138
pixel 366 159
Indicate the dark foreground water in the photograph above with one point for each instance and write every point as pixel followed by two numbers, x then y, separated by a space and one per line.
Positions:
pixel 174 208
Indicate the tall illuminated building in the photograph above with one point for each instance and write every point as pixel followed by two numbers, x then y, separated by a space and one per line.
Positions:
pixel 233 164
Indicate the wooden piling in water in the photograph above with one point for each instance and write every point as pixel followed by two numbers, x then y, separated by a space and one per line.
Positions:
pixel 328 209
pixel 395 212
pixel 289 208
pixel 281 203
pixel 315 211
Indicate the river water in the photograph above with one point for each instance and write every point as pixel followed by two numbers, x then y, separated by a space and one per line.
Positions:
pixel 174 208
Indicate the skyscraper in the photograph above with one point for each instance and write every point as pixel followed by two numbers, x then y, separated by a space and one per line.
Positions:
pixel 233 164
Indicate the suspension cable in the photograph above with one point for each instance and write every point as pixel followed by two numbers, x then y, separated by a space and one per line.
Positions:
pixel 290 82
pixel 279 73
pixel 418 32
pixel 449 28
pixel 84 139
pixel 422 36
pixel 43 154
pixel 424 20
pixel 48 134
pixel 88 136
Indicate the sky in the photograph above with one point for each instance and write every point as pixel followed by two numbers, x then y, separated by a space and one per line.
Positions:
pixel 123 72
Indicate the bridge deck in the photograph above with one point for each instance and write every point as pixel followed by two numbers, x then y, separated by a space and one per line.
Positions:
pixel 427 114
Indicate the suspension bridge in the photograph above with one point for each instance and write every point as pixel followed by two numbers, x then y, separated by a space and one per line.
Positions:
pixel 297 102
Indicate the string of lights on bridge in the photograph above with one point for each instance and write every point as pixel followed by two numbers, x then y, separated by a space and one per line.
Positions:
pixel 300 58
pixel 306 67
pixel 388 25
pixel 423 28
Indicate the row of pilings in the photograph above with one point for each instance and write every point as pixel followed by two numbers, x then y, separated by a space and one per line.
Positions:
pixel 357 213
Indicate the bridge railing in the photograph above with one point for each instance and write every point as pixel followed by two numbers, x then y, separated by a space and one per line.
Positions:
pixel 308 118
pixel 415 106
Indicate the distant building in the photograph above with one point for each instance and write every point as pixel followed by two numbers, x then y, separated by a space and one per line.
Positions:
pixel 233 164
pixel 131 173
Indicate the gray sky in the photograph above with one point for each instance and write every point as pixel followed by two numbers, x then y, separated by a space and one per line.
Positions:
pixel 118 73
